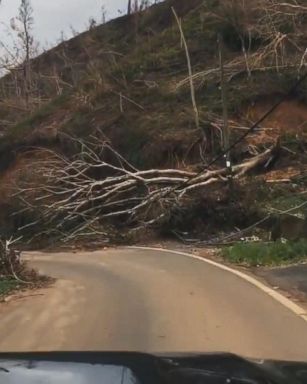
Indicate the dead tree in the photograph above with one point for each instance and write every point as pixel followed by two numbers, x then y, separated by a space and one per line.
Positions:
pixel 18 59
pixel 138 6
pixel 25 17
pixel 80 197
pixel 129 7
pixel 190 71
pixel 103 14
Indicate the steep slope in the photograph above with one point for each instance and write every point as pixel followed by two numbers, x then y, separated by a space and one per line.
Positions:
pixel 93 69
pixel 127 80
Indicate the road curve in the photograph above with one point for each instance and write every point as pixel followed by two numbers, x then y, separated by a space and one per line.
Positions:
pixel 151 301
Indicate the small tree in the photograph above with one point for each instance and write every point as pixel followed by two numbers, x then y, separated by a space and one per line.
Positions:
pixel 92 23
pixel 139 5
pixel 103 14
pixel 23 26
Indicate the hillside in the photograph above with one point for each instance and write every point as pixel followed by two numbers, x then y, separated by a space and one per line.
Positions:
pixel 127 82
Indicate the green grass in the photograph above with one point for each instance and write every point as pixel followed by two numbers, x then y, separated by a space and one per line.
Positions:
pixel 284 203
pixel 7 285
pixel 37 117
pixel 270 254
pixel 19 132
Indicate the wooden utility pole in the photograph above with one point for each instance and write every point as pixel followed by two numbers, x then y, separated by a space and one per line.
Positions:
pixel 129 7
pixel 226 141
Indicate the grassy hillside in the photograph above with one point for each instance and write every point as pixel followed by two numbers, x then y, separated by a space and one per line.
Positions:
pixel 128 79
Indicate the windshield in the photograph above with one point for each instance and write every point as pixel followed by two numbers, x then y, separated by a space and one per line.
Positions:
pixel 153 177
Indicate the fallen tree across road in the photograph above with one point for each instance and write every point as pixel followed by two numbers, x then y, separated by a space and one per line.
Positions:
pixel 79 197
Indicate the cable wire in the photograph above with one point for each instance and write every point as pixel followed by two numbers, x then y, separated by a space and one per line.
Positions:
pixel 241 138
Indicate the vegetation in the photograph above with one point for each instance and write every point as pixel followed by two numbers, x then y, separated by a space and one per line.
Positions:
pixel 266 254
pixel 14 273
pixel 7 286
pixel 130 85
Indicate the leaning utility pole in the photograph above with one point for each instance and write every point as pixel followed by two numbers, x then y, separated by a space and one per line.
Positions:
pixel 226 141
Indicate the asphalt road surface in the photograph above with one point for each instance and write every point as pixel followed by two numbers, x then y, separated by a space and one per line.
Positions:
pixel 291 279
pixel 149 301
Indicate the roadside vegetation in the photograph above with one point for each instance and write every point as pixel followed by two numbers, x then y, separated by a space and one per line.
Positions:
pixel 14 272
pixel 7 285
pixel 266 254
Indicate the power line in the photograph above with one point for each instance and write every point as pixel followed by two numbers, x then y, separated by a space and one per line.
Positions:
pixel 241 138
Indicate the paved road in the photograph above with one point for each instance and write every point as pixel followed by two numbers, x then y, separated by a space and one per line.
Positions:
pixel 148 301
pixel 292 279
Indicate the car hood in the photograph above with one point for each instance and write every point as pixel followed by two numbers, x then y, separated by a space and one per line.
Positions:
pixel 132 368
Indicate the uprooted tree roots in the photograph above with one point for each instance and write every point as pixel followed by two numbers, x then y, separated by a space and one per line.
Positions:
pixel 86 195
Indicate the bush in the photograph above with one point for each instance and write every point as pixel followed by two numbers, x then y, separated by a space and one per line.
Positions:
pixel 7 285
pixel 260 254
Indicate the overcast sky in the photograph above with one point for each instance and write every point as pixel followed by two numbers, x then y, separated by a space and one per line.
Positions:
pixel 53 16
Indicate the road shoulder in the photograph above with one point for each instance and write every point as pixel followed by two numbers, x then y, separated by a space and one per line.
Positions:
pixel 289 281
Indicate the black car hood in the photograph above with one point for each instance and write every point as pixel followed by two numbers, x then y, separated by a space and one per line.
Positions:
pixel 133 368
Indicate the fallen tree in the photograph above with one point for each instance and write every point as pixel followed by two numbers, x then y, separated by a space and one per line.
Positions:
pixel 98 190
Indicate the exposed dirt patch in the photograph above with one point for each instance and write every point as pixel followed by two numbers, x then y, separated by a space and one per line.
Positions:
pixel 286 174
pixel 289 119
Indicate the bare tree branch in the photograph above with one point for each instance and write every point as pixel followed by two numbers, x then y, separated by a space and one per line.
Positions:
pixel 84 195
